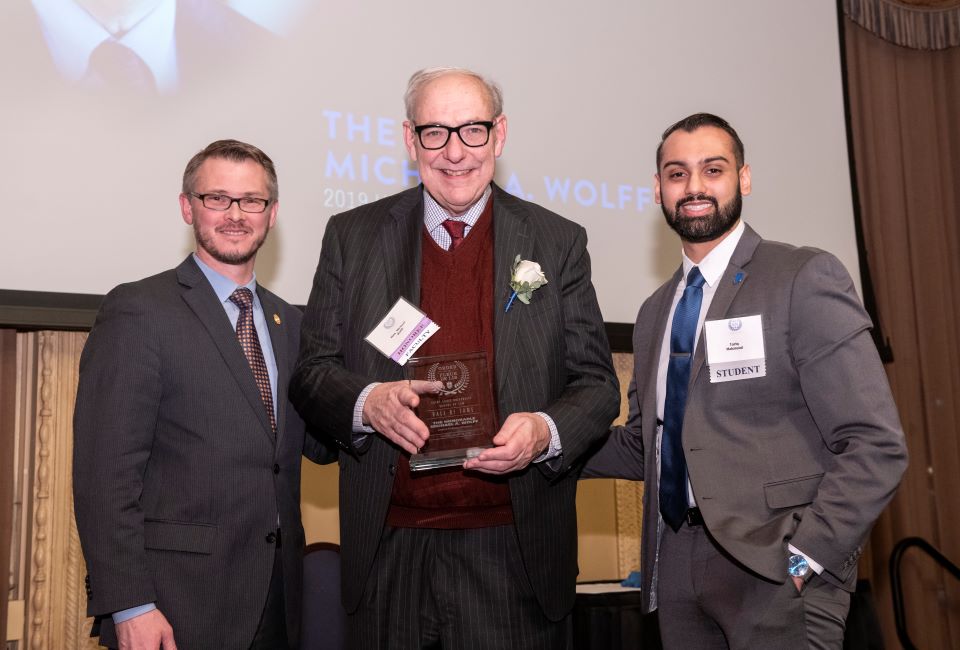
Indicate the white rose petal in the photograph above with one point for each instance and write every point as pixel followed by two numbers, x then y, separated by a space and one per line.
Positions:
pixel 530 272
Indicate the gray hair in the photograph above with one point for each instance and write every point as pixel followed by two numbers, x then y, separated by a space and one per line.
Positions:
pixel 420 79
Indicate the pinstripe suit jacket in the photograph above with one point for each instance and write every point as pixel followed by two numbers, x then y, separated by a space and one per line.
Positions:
pixel 551 355
pixel 809 454
pixel 177 479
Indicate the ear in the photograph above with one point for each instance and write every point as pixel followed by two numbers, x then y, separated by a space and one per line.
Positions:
pixel 656 188
pixel 499 135
pixel 410 139
pixel 274 209
pixel 745 179
pixel 186 209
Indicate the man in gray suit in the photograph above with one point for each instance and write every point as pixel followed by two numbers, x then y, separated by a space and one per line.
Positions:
pixel 186 448
pixel 760 418
pixel 484 555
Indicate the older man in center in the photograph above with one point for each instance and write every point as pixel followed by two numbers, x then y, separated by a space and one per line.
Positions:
pixel 483 555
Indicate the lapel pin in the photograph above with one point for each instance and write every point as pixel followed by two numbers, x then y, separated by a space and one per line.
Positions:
pixel 738 278
pixel 276 318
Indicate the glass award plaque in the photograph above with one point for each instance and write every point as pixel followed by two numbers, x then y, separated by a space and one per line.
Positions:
pixel 461 417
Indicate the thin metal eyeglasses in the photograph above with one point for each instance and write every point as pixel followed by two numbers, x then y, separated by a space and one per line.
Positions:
pixel 222 202
pixel 435 136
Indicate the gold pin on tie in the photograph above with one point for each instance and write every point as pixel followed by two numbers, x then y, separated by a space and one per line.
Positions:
pixel 276 318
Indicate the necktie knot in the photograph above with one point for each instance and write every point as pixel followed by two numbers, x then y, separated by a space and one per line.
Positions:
pixel 695 278
pixel 455 229
pixel 242 298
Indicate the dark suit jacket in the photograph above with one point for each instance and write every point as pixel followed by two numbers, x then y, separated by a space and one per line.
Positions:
pixel 809 454
pixel 177 479
pixel 551 355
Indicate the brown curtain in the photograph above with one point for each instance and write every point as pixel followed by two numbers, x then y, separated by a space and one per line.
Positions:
pixel 919 24
pixel 905 122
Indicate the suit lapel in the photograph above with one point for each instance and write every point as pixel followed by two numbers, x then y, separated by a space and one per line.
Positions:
pixel 200 298
pixel 660 329
pixel 511 237
pixel 399 243
pixel 733 278
pixel 400 246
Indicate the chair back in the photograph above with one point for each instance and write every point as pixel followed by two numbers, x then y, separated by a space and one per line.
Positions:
pixel 324 620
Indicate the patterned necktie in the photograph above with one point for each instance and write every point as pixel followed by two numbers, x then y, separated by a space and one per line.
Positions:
pixel 250 342
pixel 455 228
pixel 673 467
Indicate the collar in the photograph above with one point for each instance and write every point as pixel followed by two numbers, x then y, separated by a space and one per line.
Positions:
pixel 434 214
pixel 715 263
pixel 222 285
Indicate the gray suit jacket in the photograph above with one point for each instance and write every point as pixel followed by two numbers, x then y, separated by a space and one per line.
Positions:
pixel 177 479
pixel 809 454
pixel 551 355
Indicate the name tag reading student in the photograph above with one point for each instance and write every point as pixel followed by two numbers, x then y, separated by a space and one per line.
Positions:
pixel 735 348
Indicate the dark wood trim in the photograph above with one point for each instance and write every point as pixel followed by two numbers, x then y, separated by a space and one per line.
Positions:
pixel 620 336
pixel 36 310
pixel 8 400
pixel 47 310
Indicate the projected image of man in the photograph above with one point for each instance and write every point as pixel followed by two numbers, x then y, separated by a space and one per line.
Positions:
pixel 143 46
pixel 483 555
pixel 760 419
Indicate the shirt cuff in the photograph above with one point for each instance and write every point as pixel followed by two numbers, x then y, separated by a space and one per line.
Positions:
pixel 817 568
pixel 358 426
pixel 555 448
pixel 133 612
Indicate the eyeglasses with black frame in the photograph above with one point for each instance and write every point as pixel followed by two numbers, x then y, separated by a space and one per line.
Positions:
pixel 435 136
pixel 222 202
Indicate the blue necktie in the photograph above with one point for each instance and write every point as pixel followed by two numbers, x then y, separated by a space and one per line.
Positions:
pixel 673 467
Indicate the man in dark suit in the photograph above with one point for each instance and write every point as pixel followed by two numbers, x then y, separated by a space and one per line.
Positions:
pixel 759 354
pixel 186 448
pixel 484 555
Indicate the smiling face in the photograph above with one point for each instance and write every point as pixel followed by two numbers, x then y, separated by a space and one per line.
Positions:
pixel 698 185
pixel 228 241
pixel 456 175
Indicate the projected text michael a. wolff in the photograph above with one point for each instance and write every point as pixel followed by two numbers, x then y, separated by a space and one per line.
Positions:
pixel 368 162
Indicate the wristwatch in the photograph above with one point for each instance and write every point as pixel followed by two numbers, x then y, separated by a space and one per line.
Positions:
pixel 798 567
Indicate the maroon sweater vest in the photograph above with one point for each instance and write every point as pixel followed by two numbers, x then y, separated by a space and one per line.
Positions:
pixel 456 292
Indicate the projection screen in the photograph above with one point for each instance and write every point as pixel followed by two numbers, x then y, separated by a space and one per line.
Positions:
pixel 93 162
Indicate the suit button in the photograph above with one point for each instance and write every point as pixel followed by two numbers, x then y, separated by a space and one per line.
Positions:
pixel 392 469
pixel 271 538
pixel 276 469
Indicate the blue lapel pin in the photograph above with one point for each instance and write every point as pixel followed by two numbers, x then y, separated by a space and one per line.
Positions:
pixel 738 278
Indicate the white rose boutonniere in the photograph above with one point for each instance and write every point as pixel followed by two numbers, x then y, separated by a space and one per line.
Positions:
pixel 526 278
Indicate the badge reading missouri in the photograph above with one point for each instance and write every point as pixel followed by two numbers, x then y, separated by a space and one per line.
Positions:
pixel 454 375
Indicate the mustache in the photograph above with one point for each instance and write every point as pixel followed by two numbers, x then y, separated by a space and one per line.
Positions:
pixel 698 197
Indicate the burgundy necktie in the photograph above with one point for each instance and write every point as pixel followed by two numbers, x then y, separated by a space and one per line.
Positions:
pixel 455 228
pixel 250 342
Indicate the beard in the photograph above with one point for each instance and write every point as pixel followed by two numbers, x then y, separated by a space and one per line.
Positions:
pixel 708 227
pixel 207 243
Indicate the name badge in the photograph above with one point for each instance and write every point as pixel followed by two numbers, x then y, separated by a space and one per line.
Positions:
pixel 735 348
pixel 402 331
